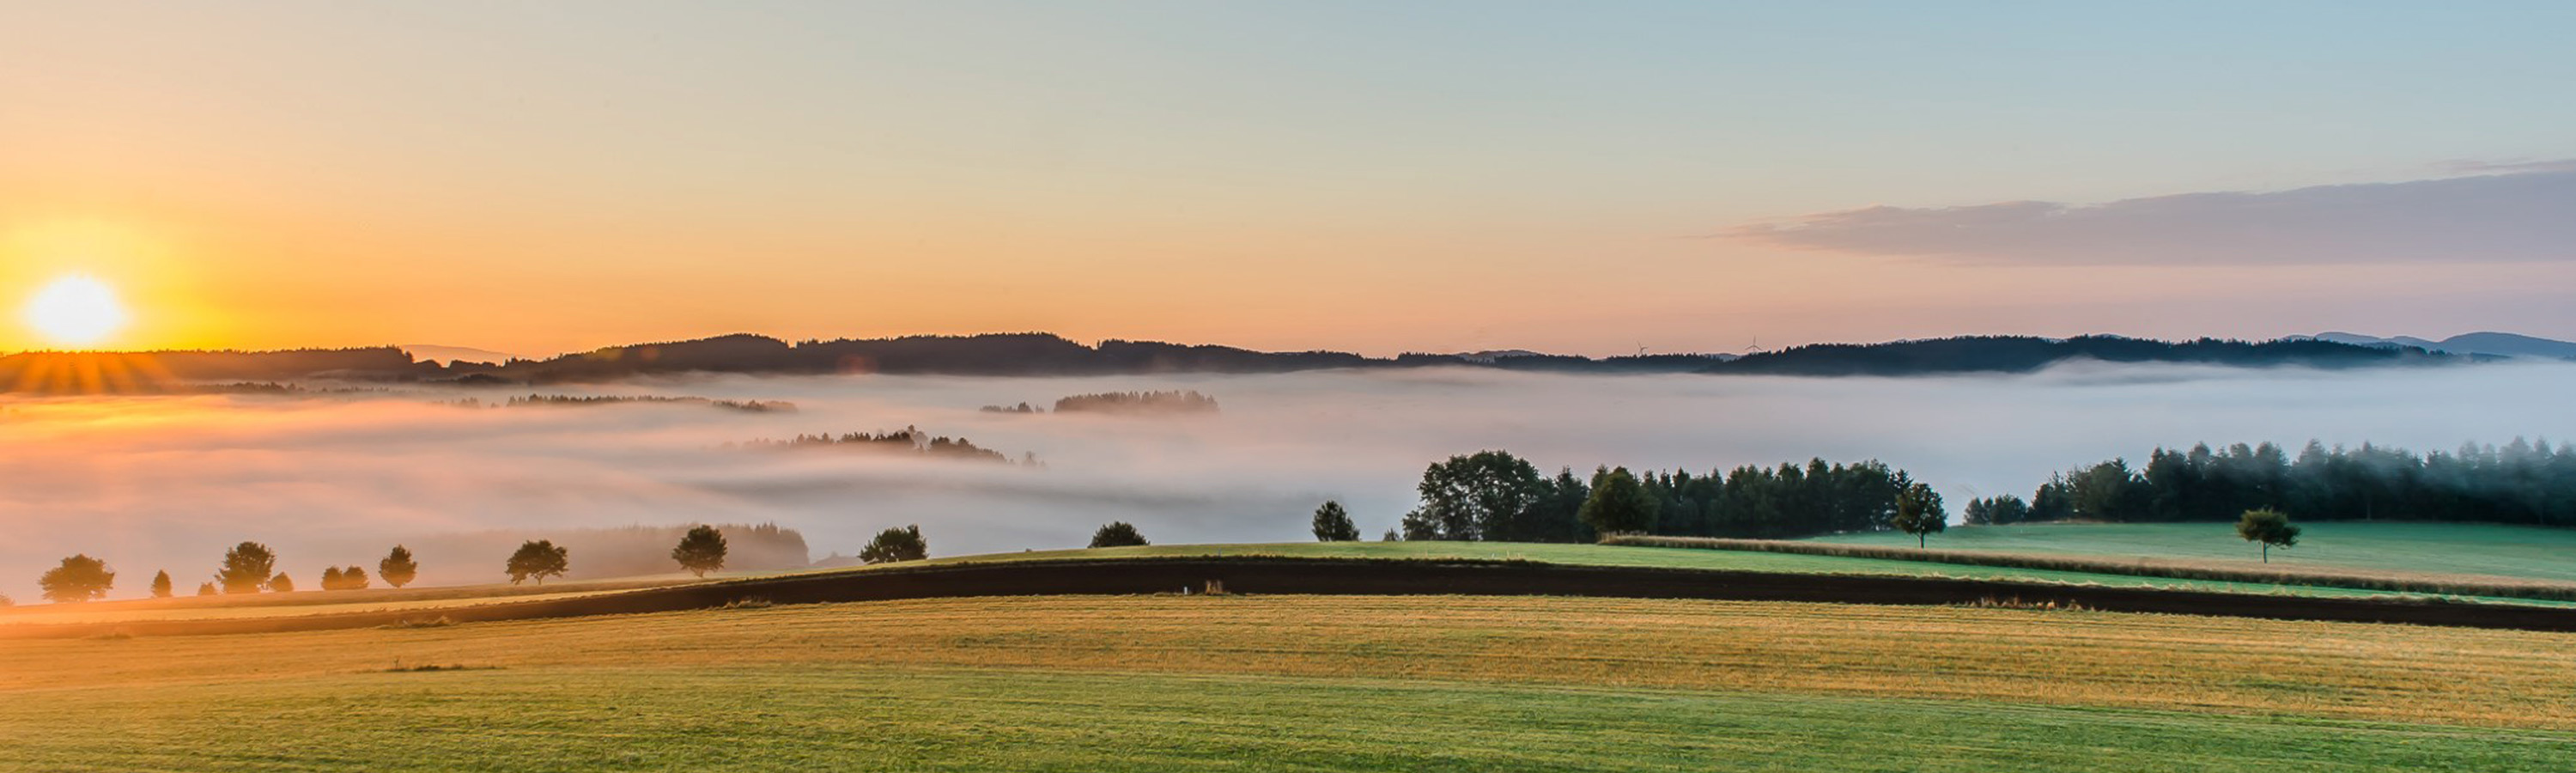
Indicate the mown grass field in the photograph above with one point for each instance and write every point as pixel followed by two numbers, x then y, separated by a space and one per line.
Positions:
pixel 430 600
pixel 1305 683
pixel 2443 548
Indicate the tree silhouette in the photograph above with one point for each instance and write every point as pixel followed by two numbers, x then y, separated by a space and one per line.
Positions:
pixel 538 559
pixel 331 578
pixel 206 589
pixel 2268 526
pixel 1618 504
pixel 281 583
pixel 80 578
pixel 1333 524
pixel 700 551
pixel 1919 512
pixel 397 568
pixel 161 585
pixel 904 544
pixel 246 567
pixel 1118 534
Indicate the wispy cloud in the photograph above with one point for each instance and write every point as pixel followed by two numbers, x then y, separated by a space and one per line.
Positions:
pixel 2519 212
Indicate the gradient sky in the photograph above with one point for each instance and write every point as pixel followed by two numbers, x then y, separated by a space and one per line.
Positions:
pixel 1576 177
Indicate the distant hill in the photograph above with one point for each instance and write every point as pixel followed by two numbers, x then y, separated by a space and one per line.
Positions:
pixel 1042 354
pixel 2021 354
pixel 2485 343
pixel 451 354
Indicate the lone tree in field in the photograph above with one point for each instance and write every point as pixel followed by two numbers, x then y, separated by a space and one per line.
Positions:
pixel 891 545
pixel 206 589
pixel 1118 534
pixel 281 583
pixel 2268 526
pixel 80 578
pixel 161 585
pixel 702 550
pixel 1618 504
pixel 1919 512
pixel 246 567
pixel 1332 524
pixel 539 559
pixel 398 568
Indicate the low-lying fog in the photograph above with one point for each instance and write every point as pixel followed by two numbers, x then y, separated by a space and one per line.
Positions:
pixel 168 483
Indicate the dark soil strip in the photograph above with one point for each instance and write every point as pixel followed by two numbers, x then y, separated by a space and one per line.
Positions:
pixel 1375 577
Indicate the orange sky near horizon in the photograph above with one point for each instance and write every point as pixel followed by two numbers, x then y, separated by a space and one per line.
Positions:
pixel 537 180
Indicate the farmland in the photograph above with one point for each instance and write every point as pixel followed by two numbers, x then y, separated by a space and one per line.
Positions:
pixel 2527 552
pixel 1304 682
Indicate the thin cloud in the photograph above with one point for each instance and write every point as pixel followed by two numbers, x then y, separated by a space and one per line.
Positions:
pixel 2521 212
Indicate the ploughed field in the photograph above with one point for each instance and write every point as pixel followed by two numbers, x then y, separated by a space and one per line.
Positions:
pixel 1254 682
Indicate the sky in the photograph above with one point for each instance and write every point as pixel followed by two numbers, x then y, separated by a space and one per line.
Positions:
pixel 1591 178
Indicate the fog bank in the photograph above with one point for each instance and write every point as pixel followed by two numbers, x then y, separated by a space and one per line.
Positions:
pixel 169 482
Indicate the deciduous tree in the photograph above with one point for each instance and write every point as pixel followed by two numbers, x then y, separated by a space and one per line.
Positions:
pixel 161 585
pixel 246 568
pixel 397 567
pixel 1333 524
pixel 1618 504
pixel 538 559
pixel 2268 526
pixel 1117 534
pixel 1919 512
pixel 904 544
pixel 700 551
pixel 80 578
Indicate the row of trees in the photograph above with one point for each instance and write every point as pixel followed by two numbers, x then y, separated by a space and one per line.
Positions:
pixel 2521 482
pixel 1493 495
pixel 251 567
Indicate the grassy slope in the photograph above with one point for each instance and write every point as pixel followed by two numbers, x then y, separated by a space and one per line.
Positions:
pixel 432 599
pixel 2504 551
pixel 1290 683
pixel 1671 557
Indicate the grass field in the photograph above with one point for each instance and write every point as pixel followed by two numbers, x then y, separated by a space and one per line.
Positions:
pixel 430 600
pixel 1737 560
pixel 2480 549
pixel 1305 683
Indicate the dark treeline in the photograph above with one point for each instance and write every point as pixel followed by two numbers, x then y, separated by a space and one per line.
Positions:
pixel 1165 403
pixel 909 440
pixel 2519 483
pixel 1174 402
pixel 2022 354
pixel 1033 354
pixel 1493 495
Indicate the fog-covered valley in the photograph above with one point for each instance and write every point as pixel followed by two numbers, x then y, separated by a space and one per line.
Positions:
pixel 154 483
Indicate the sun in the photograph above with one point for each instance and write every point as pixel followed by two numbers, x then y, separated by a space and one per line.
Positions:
pixel 76 310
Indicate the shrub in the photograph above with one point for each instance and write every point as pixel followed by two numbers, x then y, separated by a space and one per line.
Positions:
pixel 1118 534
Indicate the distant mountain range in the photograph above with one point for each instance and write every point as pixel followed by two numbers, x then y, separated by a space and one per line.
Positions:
pixel 1042 354
pixel 2489 344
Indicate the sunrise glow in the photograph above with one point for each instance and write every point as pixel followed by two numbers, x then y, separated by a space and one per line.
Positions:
pixel 76 310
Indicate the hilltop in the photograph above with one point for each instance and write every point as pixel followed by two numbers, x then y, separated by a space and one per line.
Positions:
pixel 1046 354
